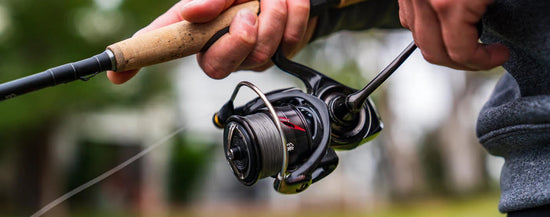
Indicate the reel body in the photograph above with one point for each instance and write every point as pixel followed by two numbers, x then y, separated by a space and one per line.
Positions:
pixel 328 116
pixel 292 135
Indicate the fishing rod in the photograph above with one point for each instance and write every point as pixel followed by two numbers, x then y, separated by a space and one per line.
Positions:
pixel 167 43
pixel 287 134
pixel 161 45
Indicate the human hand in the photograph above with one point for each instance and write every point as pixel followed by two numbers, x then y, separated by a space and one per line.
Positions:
pixel 251 40
pixel 446 33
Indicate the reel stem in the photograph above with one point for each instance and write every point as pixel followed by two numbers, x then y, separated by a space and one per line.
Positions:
pixel 355 101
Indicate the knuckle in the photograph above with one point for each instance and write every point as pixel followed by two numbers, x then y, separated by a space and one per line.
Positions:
pixel 260 56
pixel 404 23
pixel 246 39
pixel 292 39
pixel 213 70
pixel 433 59
pixel 460 57
pixel 279 12
pixel 442 6
pixel 300 6
pixel 403 19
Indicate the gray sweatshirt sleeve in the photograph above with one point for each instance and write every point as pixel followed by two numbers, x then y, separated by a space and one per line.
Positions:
pixel 515 122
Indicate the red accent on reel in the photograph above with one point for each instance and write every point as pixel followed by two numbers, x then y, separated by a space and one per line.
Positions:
pixel 287 122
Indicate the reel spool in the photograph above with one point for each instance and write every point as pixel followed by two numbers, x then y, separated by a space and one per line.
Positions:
pixel 280 135
pixel 251 136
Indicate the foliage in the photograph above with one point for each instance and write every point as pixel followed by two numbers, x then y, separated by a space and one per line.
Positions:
pixel 43 34
pixel 188 161
pixel 37 35
pixel 93 159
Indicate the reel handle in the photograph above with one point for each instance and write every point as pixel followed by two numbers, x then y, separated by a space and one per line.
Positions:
pixel 173 41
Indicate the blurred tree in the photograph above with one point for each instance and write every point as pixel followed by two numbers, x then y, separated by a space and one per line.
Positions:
pixel 36 35
pixel 188 160
pixel 464 157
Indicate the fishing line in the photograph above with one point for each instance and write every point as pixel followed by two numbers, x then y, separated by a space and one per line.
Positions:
pixel 105 175
pixel 269 142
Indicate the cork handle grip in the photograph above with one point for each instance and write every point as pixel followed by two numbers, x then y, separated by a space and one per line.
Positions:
pixel 171 42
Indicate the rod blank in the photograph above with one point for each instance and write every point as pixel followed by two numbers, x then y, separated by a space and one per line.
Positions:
pixel 57 75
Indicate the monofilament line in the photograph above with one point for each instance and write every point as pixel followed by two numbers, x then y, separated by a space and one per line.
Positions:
pixel 105 175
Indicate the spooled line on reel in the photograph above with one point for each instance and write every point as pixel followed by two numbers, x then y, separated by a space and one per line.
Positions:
pixel 292 135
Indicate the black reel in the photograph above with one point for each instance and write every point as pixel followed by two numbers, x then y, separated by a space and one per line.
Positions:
pixel 292 135
pixel 281 134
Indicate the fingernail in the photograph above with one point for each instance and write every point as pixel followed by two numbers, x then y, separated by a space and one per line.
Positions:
pixel 248 17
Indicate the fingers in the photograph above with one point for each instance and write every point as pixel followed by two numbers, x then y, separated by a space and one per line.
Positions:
pixel 121 77
pixel 446 33
pixel 406 13
pixel 298 13
pixel 195 11
pixel 251 41
pixel 229 52
pixel 281 23
pixel 272 22
pixel 201 11
pixel 427 35
pixel 462 46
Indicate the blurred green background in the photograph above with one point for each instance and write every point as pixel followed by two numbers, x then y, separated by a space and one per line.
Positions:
pixel 427 162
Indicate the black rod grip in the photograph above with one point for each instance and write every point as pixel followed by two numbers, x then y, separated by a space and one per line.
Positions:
pixel 57 75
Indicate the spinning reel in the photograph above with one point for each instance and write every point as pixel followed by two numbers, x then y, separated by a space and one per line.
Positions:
pixel 292 135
